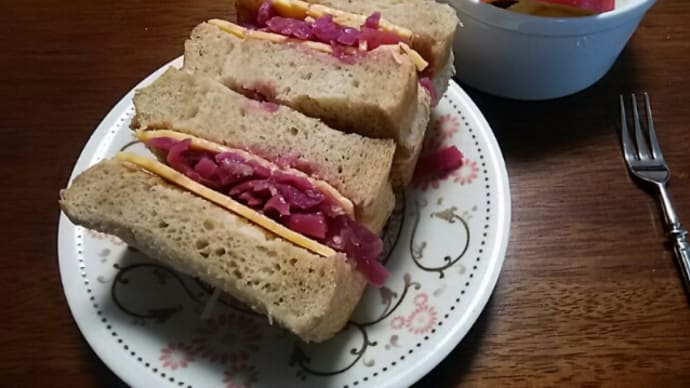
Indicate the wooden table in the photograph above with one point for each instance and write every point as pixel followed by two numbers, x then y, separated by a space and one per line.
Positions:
pixel 589 295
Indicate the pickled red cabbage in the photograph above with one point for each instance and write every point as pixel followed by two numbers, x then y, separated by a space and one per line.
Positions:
pixel 289 199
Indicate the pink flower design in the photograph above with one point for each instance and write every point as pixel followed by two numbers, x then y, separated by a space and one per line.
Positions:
pixel 421 299
pixel 445 127
pixel 421 320
pixel 227 337
pixel 467 173
pixel 177 355
pixel 241 375
pixel 398 322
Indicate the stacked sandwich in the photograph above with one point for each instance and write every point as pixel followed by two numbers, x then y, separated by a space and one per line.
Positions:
pixel 278 148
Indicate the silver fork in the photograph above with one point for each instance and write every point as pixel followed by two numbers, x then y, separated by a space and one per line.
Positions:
pixel 650 166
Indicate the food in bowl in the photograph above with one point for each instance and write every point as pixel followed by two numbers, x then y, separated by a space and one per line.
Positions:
pixel 555 8
pixel 528 57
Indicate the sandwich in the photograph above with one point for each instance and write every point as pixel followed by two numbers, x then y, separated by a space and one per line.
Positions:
pixel 376 95
pixel 357 73
pixel 282 233
pixel 275 152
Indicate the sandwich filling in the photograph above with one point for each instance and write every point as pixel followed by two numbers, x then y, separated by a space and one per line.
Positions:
pixel 298 9
pixel 323 29
pixel 283 196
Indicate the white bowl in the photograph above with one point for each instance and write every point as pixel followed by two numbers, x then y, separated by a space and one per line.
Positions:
pixel 537 58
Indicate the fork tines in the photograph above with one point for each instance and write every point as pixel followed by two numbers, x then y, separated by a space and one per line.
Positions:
pixel 640 148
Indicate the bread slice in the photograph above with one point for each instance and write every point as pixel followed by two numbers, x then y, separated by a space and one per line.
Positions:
pixel 357 166
pixel 432 22
pixel 311 295
pixel 377 96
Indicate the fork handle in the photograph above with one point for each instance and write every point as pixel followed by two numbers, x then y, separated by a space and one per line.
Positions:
pixel 681 248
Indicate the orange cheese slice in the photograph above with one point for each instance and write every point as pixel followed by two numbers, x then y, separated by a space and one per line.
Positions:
pixel 245 33
pixel 414 56
pixel 203 144
pixel 226 202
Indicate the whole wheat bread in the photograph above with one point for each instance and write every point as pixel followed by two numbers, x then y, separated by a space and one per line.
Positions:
pixel 377 96
pixel 434 24
pixel 355 165
pixel 311 295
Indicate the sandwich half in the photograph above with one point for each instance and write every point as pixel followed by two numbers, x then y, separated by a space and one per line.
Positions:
pixel 281 240
pixel 376 94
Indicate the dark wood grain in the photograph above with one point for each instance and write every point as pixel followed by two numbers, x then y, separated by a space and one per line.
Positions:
pixel 589 294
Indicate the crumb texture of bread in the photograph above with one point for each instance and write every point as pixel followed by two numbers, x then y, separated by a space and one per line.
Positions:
pixel 406 158
pixel 357 166
pixel 433 21
pixel 311 295
pixel 376 96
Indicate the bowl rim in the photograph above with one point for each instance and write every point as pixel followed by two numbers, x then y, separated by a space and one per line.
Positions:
pixel 548 26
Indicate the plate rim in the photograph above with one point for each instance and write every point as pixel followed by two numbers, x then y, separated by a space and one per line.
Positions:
pixel 440 351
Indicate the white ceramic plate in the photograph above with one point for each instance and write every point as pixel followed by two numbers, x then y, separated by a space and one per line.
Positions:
pixel 445 247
